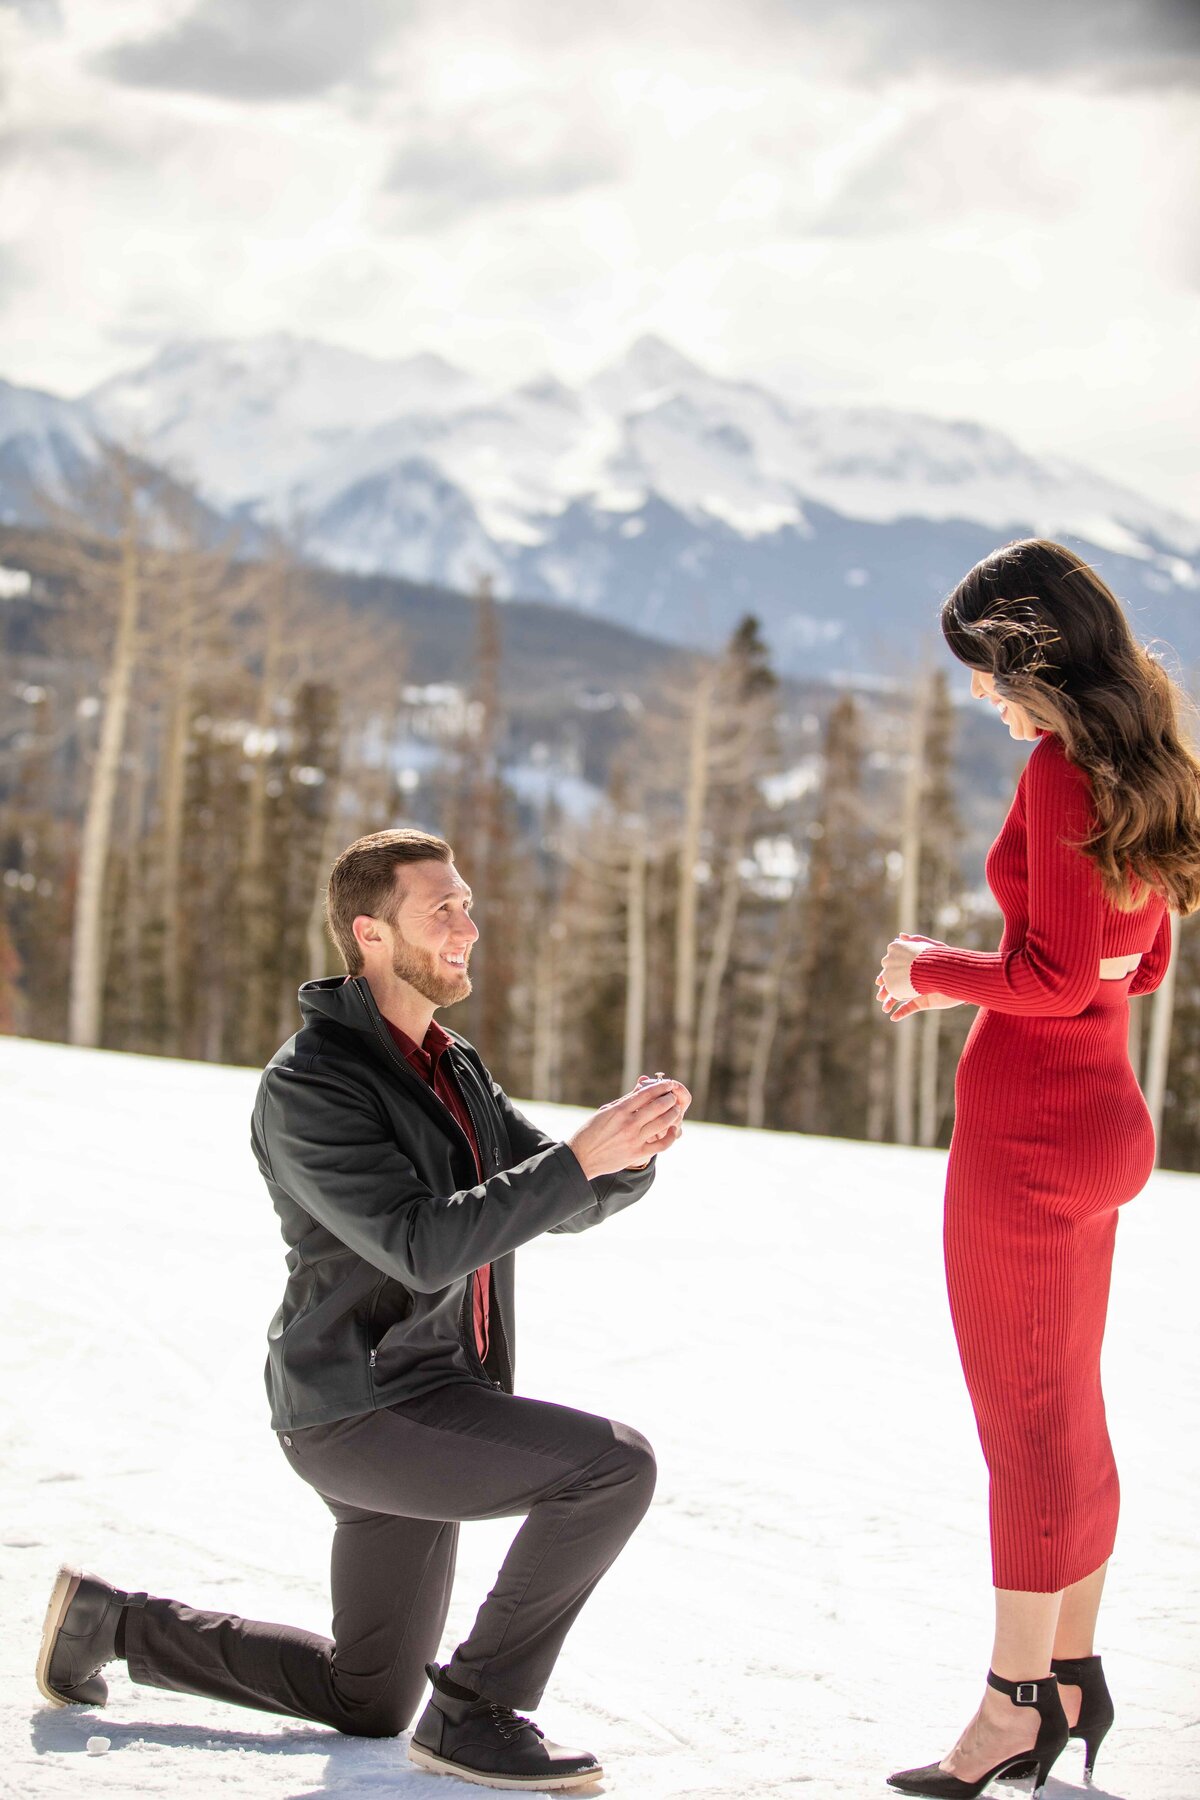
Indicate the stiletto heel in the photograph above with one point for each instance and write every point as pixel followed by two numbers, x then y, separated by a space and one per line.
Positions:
pixel 1095 1706
pixel 935 1783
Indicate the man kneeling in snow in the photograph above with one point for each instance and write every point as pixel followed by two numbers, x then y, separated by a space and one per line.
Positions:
pixel 404 1179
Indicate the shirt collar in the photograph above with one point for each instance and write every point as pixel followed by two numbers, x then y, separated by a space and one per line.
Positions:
pixel 425 1056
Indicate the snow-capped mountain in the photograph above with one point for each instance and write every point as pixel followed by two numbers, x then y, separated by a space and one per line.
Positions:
pixel 247 420
pixel 47 446
pixel 657 492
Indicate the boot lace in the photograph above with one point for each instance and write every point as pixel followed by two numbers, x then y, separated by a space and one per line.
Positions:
pixel 511 1724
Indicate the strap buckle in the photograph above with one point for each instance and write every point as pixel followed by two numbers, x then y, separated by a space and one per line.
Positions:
pixel 1027 1693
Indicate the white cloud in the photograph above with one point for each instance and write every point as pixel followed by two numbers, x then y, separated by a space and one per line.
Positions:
pixel 515 184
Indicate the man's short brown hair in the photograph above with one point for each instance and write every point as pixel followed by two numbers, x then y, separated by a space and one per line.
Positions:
pixel 363 880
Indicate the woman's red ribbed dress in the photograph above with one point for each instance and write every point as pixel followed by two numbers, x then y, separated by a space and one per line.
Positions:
pixel 1051 1136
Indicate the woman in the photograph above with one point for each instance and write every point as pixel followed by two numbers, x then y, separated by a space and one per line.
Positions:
pixel 1051 1134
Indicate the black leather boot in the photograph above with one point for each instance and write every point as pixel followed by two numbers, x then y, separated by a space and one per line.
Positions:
pixel 460 1733
pixel 79 1637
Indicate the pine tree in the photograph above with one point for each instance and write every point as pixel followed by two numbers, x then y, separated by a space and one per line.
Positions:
pixel 743 754
pixel 939 891
pixel 843 924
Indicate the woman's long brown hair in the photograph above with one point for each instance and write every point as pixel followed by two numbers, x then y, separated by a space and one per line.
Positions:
pixel 1041 621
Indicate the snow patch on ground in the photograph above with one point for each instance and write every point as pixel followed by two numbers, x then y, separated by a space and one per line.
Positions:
pixel 807 1604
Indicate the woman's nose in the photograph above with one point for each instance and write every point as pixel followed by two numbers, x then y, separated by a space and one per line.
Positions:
pixel 977 688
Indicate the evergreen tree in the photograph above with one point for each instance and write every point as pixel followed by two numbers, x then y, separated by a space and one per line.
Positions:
pixel 743 754
pixel 939 892
pixel 844 923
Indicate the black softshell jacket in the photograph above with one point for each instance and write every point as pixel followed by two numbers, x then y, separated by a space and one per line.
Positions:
pixel 384 1216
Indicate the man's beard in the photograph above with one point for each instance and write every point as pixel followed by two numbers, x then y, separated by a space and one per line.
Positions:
pixel 432 979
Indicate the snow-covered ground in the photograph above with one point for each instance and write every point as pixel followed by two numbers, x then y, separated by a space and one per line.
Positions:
pixel 807 1604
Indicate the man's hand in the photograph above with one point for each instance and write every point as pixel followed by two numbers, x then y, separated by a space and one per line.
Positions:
pixel 629 1131
pixel 684 1097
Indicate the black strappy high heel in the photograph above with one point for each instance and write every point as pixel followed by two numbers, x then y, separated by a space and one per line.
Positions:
pixel 934 1783
pixel 1095 1707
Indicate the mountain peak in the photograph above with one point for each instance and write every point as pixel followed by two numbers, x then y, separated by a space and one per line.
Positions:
pixel 649 366
pixel 277 355
pixel 654 357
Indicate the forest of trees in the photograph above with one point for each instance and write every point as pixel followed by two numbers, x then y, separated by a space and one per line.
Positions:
pixel 189 734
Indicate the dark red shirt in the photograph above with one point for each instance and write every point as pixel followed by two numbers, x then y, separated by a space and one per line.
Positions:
pixel 430 1062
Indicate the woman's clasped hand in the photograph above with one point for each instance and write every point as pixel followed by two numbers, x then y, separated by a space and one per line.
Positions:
pixel 893 985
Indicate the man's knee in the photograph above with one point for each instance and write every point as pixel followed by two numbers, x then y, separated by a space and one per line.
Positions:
pixel 638 1463
pixel 388 1715
pixel 375 1724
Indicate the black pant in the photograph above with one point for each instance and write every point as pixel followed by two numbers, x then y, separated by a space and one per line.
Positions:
pixel 397 1482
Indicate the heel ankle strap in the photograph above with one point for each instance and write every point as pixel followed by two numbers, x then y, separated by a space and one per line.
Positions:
pixel 1060 1664
pixel 1023 1693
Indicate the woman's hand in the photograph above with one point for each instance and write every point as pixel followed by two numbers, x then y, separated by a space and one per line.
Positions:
pixel 904 1009
pixel 894 989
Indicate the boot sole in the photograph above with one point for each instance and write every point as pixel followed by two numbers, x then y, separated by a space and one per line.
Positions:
pixel 66 1586
pixel 536 1784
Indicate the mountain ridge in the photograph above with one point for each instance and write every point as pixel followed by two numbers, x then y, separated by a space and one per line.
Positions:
pixel 654 489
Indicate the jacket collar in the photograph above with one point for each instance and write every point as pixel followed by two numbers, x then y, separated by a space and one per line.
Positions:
pixel 351 1005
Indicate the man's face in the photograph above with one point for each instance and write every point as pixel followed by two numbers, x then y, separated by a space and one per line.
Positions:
pixel 434 932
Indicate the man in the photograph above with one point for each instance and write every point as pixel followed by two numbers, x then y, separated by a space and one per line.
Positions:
pixel 404 1180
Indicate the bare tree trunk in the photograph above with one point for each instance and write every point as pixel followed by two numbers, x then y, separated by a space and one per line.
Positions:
pixel 910 863
pixel 214 1026
pixel 256 1004
pixel 133 910
pixel 174 785
pixel 174 788
pixel 929 1112
pixel 714 974
pixel 1162 1008
pixel 544 1018
pixel 87 937
pixel 877 1088
pixel 768 1018
pixel 635 960
pixel 695 796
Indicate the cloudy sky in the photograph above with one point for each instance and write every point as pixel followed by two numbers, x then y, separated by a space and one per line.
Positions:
pixel 978 210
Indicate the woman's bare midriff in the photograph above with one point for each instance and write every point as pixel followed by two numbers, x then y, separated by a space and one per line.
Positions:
pixel 1115 968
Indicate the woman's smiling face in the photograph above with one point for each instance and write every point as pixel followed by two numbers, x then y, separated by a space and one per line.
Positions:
pixel 1020 725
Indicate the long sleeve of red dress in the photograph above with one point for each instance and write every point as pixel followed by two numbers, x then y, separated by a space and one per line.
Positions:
pixel 1053 969
pixel 1150 971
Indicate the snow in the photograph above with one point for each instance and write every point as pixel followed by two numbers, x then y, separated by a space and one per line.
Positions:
pixel 43 438
pixel 225 410
pixel 806 1605
pixel 290 427
pixel 14 583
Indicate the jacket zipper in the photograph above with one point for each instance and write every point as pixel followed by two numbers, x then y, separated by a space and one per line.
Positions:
pixel 466 1080
pixel 400 1063
pixel 376 1291
pixel 466 1322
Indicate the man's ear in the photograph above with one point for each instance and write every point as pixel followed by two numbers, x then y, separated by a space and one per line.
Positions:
pixel 366 931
